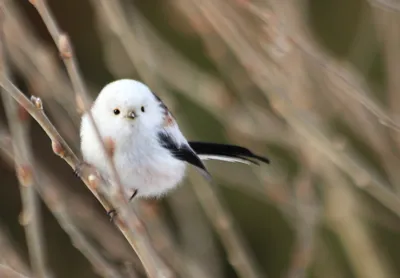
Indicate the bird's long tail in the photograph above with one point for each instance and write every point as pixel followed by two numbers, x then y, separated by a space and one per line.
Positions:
pixel 225 152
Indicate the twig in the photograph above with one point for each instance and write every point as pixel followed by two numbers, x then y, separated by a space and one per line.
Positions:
pixel 9 254
pixel 197 239
pixel 183 75
pixel 279 92
pixel 101 265
pixel 139 240
pixel 388 27
pixel 50 189
pixel 31 215
pixel 238 254
pixel 354 234
pixel 386 5
pixel 47 78
pixel 55 201
pixel 132 230
pixel 166 245
pixel 306 222
pixel 8 272
pixel 41 70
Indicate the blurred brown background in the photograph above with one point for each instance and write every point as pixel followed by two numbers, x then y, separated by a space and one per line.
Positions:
pixel 312 84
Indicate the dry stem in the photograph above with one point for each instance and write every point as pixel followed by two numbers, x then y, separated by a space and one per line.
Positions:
pixel 239 256
pixel 154 266
pixel 55 201
pixel 8 272
pixel 31 215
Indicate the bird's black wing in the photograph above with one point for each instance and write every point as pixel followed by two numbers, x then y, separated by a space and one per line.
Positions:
pixel 226 152
pixel 182 152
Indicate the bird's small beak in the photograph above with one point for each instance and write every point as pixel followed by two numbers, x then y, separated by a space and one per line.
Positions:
pixel 131 115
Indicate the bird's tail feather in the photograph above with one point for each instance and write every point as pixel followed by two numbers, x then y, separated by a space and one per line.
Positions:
pixel 226 152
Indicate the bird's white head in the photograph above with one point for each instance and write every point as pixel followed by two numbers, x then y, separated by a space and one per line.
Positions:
pixel 127 106
pixel 125 111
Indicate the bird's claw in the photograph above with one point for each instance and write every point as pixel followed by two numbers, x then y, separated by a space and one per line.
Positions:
pixel 133 195
pixel 112 213
pixel 79 168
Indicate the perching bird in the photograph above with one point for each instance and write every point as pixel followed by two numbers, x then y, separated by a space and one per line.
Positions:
pixel 149 150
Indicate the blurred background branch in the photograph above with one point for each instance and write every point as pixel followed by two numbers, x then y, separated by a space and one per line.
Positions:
pixel 311 84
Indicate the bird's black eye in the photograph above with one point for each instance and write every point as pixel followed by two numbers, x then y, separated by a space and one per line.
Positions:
pixel 142 108
pixel 116 111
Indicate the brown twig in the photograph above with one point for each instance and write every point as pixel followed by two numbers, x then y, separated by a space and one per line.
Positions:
pixel 239 256
pixel 351 229
pixel 386 5
pixel 30 217
pixel 8 272
pixel 41 69
pixel 9 254
pixel 79 240
pixel 183 75
pixel 139 240
pixel 131 229
pixel 55 201
pixel 28 179
pixel 280 92
pixel 31 214
pixel 197 241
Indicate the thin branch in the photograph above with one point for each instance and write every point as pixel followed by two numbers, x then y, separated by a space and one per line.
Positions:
pixel 28 178
pixel 25 172
pixel 238 253
pixel 79 240
pixel 183 75
pixel 9 255
pixel 351 229
pixel 41 69
pixel 8 272
pixel 274 84
pixel 127 221
pixel 55 201
pixel 45 76
pixel 386 5
pixel 166 244
pixel 31 218
pixel 306 223
pixel 197 239
pixel 95 184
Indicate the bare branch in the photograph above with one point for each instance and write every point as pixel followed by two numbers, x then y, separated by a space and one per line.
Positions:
pixel 9 255
pixel 354 234
pixel 31 215
pixel 6 271
pixel 239 256
pixel 127 221
pixel 139 239
pixel 55 201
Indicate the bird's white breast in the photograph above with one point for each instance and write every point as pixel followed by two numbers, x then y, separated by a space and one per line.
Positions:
pixel 142 163
pixel 149 167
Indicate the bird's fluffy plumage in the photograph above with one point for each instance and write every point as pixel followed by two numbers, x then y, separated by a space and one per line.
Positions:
pixel 150 152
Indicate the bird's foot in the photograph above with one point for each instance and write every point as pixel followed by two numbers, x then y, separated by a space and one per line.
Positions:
pixel 133 195
pixel 78 171
pixel 112 213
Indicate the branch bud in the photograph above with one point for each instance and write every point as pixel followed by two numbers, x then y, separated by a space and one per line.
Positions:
pixel 25 175
pixel 64 46
pixel 37 102
pixel 24 217
pixel 58 148
pixel 93 181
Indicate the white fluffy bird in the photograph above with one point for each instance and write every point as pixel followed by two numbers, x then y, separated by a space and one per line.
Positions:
pixel 149 150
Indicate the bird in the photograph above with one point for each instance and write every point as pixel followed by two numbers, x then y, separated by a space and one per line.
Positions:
pixel 149 151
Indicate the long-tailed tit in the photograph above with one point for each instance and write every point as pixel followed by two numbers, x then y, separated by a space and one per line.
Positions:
pixel 149 151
